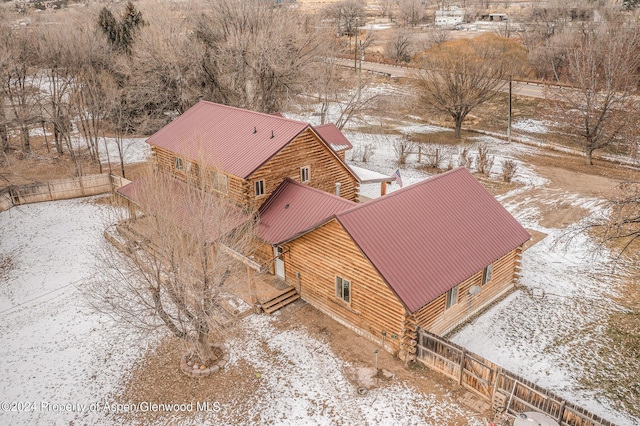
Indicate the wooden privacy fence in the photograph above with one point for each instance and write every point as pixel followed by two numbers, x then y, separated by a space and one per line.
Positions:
pixel 504 389
pixel 60 189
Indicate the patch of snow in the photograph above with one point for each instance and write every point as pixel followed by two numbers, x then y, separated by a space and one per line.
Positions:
pixel 530 125
pixel 135 150
pixel 551 340
pixel 54 349
pixel 375 27
pixel 304 382
pixel 38 132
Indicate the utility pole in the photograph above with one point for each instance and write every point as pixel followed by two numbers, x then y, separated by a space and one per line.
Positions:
pixel 355 49
pixel 509 120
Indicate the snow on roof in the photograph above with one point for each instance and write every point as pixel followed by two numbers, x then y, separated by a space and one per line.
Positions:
pixel 369 176
pixel 333 136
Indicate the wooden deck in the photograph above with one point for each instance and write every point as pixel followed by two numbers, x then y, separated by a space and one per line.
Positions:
pixel 271 291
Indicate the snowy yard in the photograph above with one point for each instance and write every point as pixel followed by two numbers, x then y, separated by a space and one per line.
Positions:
pixel 55 350
pixel 553 340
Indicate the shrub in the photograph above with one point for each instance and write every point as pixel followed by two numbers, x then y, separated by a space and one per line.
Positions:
pixel 509 168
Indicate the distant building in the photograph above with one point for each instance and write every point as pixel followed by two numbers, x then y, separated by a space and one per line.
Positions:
pixel 495 17
pixel 449 17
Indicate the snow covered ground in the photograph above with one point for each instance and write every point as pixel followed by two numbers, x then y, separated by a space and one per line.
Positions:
pixel 552 340
pixel 304 383
pixel 55 350
pixel 553 329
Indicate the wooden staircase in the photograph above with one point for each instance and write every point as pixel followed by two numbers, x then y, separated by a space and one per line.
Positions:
pixel 281 300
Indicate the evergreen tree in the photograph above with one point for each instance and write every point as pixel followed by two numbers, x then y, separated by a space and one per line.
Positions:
pixel 121 34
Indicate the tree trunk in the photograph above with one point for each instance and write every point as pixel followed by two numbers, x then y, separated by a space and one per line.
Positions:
pixel 458 121
pixel 589 155
pixel 26 143
pixel 4 139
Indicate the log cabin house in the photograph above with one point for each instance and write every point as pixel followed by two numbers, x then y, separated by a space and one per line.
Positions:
pixel 247 154
pixel 427 256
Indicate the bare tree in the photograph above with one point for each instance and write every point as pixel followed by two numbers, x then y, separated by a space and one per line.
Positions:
pixel 347 15
pixel 89 99
pixel 411 11
pixel 602 75
pixel 176 263
pixel 402 148
pixel 399 47
pixel 256 56
pixel 457 76
pixel 17 49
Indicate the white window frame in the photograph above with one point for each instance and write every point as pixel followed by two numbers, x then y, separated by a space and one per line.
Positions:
pixel 452 297
pixel 306 170
pixel 219 182
pixel 340 289
pixel 178 163
pixel 259 187
pixel 487 274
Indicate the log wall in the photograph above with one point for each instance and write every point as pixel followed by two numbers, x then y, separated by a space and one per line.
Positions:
pixel 438 320
pixel 236 187
pixel 327 252
pixel 306 150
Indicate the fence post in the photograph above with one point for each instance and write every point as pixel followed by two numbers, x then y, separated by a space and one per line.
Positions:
pixel 561 412
pixel 50 194
pixel 464 354
pixel 495 383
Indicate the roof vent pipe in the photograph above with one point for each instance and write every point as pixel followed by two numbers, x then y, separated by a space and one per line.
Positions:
pixel 338 189
pixel 272 135
pixel 255 130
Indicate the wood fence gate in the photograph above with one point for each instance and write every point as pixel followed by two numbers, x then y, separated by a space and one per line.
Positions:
pixel 504 389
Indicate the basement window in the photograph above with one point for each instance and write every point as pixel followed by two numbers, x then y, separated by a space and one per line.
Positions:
pixel 452 297
pixel 260 188
pixel 304 174
pixel 177 162
pixel 487 273
pixel 343 289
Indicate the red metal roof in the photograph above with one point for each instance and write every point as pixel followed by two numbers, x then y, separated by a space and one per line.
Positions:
pixel 428 237
pixel 294 208
pixel 234 140
pixel 183 205
pixel 333 136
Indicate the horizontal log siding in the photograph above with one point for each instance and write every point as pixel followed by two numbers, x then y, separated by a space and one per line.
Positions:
pixel 328 251
pixel 237 187
pixel 306 150
pixel 434 318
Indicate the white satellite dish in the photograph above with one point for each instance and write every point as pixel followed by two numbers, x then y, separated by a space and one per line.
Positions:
pixel 476 289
